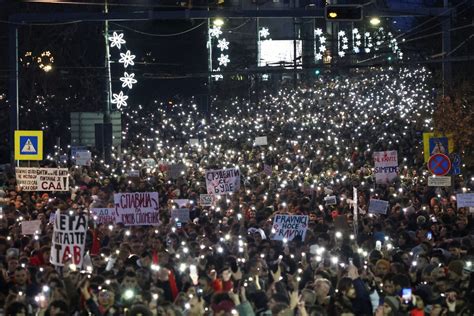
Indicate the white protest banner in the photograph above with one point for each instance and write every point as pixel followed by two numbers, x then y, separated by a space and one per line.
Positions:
pixel 103 215
pixel 439 181
pixel 267 169
pixel 26 178
pixel 138 208
pixel 330 200
pixel 176 170
pixel 261 141
pixel 148 163
pixel 30 227
pixel 386 166
pixel 83 158
pixel 182 203
pixel 222 181
pixel 355 215
pixel 206 199
pixel 378 206
pixel 42 179
pixel 134 173
pixel 194 142
pixel 50 179
pixel 180 215
pixel 289 226
pixel 465 199
pixel 69 239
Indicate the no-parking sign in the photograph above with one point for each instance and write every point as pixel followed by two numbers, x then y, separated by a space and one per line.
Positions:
pixel 439 164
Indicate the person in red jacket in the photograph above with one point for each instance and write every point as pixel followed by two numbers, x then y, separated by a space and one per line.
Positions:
pixel 41 257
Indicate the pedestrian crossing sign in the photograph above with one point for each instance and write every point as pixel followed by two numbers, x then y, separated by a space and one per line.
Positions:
pixel 28 145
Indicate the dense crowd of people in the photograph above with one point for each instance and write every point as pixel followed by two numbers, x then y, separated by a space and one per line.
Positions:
pixel 414 260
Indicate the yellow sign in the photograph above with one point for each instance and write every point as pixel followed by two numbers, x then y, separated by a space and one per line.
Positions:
pixel 434 143
pixel 28 145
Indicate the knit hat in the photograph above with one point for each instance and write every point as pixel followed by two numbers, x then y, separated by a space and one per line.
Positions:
pixel 393 302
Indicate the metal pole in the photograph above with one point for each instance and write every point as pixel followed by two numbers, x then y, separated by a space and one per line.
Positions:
pixel 13 94
pixel 107 146
pixel 209 69
pixel 446 44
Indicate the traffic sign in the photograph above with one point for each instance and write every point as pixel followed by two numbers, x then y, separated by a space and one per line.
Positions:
pixel 439 164
pixel 29 145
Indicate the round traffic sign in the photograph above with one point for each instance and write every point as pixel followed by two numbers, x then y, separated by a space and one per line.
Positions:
pixel 439 164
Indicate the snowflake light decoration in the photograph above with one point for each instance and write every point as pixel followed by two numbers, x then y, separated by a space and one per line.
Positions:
pixel 215 31
pixel 116 40
pixel 120 99
pixel 128 80
pixel 127 59
pixel 223 60
pixel 223 44
pixel 264 32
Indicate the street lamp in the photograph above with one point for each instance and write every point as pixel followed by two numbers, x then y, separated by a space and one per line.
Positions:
pixel 374 21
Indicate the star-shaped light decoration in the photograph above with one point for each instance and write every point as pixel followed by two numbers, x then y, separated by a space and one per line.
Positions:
pixel 318 56
pixel 322 48
pixel 356 50
pixel 223 44
pixel 345 46
pixel 215 31
pixel 264 32
pixel 128 80
pixel 341 53
pixel 116 40
pixel 119 99
pixel 322 39
pixel 127 59
pixel 223 60
pixel 318 32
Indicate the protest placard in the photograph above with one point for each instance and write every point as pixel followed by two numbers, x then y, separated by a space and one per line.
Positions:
pixel 222 181
pixel 206 199
pixel 465 199
pixel 31 227
pixel 261 141
pixel 330 200
pixel 439 181
pixel 180 215
pixel 182 203
pixel 176 170
pixel 134 173
pixel 386 166
pixel 267 169
pixel 289 227
pixel 138 208
pixel 194 142
pixel 148 163
pixel 378 206
pixel 69 239
pixel 83 158
pixel 42 179
pixel 103 215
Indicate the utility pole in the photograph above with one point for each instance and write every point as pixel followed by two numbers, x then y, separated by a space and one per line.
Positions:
pixel 446 47
pixel 13 95
pixel 107 144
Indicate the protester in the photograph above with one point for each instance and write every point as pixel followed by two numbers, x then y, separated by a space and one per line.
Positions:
pixel 223 258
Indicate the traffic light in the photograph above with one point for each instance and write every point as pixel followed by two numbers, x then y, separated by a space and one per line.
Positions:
pixel 343 13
